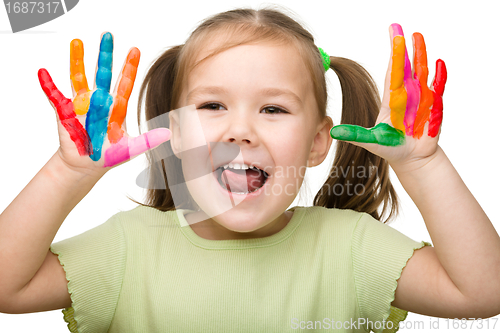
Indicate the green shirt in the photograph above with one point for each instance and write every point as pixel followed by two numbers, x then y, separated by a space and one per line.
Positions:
pixel 147 271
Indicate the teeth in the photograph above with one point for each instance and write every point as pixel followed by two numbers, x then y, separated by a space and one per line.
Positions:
pixel 239 166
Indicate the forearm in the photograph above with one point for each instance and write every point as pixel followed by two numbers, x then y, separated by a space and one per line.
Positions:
pixel 464 239
pixel 29 224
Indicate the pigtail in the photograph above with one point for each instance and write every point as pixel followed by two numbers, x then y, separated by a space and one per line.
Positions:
pixel 358 180
pixel 158 92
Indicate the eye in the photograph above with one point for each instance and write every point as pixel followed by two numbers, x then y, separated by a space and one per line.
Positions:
pixel 216 107
pixel 211 106
pixel 274 109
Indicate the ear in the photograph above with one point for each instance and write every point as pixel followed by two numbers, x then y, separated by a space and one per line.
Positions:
pixel 321 143
pixel 175 138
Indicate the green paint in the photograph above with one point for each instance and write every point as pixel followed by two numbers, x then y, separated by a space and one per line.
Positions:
pixel 382 134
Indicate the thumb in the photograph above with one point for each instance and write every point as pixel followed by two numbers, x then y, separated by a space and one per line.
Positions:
pixel 127 148
pixel 382 134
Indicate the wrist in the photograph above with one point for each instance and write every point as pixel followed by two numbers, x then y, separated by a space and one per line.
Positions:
pixel 422 179
pixel 415 166
pixel 58 172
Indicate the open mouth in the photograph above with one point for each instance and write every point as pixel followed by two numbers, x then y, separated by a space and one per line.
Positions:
pixel 241 179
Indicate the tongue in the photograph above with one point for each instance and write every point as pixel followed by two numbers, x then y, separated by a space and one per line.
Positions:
pixel 242 180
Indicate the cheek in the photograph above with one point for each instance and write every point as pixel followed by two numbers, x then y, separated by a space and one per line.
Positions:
pixel 292 151
pixel 192 134
pixel 198 129
pixel 192 140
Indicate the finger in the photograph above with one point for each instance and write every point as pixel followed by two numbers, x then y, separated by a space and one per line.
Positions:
pixel 382 134
pixel 411 86
pixel 387 82
pixel 398 96
pixel 436 116
pixel 96 122
pixel 440 79
pixel 63 105
pixel 65 113
pixel 128 148
pixel 77 68
pixel 421 74
pixel 122 95
pixel 79 83
pixel 104 63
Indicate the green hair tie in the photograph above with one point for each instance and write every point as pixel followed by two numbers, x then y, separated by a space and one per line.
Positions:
pixel 325 57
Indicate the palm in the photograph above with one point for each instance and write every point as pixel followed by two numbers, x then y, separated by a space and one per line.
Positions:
pixel 91 126
pixel 416 148
pixel 408 124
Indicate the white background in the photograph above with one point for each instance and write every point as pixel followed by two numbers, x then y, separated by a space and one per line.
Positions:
pixel 462 34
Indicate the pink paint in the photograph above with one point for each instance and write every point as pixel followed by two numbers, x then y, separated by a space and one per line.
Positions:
pixel 127 148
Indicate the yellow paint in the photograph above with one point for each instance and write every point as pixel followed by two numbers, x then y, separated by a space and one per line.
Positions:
pixel 81 103
pixel 78 78
pixel 398 95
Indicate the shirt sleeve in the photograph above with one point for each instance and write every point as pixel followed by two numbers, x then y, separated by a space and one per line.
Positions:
pixel 379 254
pixel 94 262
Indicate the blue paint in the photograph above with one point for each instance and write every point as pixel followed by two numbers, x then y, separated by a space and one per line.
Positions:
pixel 96 123
pixel 97 120
pixel 105 62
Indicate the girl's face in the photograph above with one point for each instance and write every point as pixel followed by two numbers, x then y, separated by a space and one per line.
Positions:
pixel 260 99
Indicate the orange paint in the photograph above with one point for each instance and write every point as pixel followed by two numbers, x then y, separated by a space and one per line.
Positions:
pixel 129 72
pixel 422 74
pixel 78 78
pixel 398 94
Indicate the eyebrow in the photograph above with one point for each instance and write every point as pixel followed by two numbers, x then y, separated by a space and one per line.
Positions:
pixel 217 90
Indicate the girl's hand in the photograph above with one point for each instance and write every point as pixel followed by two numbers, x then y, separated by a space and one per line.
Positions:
pixel 408 125
pixel 92 131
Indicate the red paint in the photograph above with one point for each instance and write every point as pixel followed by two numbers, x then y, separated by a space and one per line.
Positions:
pixel 78 134
pixel 436 116
pixel 441 77
pixel 66 113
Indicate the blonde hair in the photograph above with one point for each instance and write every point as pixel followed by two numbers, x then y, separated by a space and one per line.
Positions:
pixel 360 106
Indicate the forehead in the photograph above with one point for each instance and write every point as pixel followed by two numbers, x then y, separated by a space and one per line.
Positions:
pixel 253 65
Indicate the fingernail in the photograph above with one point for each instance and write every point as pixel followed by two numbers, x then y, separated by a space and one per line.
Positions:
pixel 397 30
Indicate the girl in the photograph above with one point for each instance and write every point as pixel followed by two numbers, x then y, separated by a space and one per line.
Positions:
pixel 220 251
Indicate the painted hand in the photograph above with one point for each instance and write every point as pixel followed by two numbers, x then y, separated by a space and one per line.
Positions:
pixel 93 123
pixel 408 125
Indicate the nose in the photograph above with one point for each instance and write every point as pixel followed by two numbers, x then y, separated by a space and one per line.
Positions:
pixel 240 129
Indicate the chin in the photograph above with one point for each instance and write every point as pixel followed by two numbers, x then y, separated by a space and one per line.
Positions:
pixel 242 222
